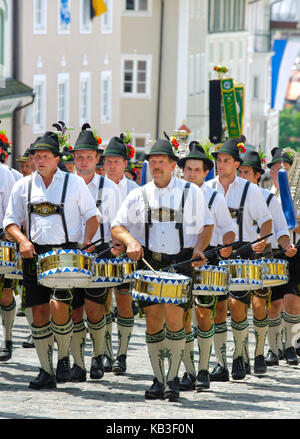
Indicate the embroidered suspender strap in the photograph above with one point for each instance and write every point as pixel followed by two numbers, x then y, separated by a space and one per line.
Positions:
pixel 179 225
pixel 62 206
pixel 29 206
pixel 241 211
pixel 148 219
pixel 212 199
pixel 99 204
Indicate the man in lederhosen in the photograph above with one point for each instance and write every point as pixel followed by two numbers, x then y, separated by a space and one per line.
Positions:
pixel 115 161
pixel 106 195
pixel 163 222
pixel 285 302
pixel 7 300
pixel 54 204
pixel 246 204
pixel 251 169
pixel 196 166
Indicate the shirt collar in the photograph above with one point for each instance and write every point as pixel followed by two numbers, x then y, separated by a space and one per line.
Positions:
pixel 94 181
pixel 168 188
pixel 58 174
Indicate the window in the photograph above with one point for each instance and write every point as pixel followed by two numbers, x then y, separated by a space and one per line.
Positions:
pixel 136 76
pixel 107 17
pixel 139 141
pixel 84 97
pixel 138 7
pixel 39 106
pixel 106 97
pixel 64 18
pixel 39 16
pixel 226 15
pixel 63 98
pixel 85 17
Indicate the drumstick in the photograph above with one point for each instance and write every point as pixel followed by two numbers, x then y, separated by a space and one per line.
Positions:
pixel 92 243
pixel 149 266
pixel 281 252
pixel 254 242
pixel 212 251
pixel 107 250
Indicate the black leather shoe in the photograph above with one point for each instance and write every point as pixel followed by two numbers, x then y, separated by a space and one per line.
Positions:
pixel 156 391
pixel 63 370
pixel 298 348
pixel 6 350
pixel 280 354
pixel 96 372
pixel 238 369
pixel 202 380
pixel 219 374
pixel 271 359
pixel 107 363
pixel 172 390
pixel 43 381
pixel 77 374
pixel 119 365
pixel 260 365
pixel 290 356
pixel 187 382
pixel 28 343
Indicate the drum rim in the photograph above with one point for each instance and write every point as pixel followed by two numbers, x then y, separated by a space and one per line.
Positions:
pixel 181 278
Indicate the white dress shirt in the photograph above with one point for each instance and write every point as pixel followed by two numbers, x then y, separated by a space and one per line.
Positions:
pixel 223 223
pixel 110 203
pixel 163 236
pixel 255 208
pixel 7 182
pixel 79 207
pixel 125 186
pixel 16 174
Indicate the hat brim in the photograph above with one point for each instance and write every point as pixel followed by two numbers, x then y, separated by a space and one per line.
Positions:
pixel 279 160
pixel 22 159
pixel 181 162
pixel 215 155
pixel 172 156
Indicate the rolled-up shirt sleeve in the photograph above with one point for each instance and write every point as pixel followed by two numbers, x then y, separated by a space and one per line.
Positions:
pixel 15 211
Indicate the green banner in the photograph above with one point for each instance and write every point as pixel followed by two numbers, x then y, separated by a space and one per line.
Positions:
pixel 240 101
pixel 230 108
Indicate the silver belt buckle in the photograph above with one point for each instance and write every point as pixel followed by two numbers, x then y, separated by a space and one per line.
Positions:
pixel 156 256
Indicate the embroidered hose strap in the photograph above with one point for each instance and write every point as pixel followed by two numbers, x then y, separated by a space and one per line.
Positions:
pixel 108 319
pixel 291 318
pixel 62 329
pixel 97 326
pixel 155 338
pixel 39 333
pixel 175 336
pixel 274 322
pixel 220 328
pixel 189 338
pixel 240 326
pixel 261 323
pixel 205 334
pixel 79 327
pixel 126 322
pixel 9 307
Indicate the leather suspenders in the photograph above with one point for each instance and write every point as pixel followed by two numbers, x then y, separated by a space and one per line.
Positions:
pixel 212 199
pixel 148 217
pixel 241 211
pixel 60 212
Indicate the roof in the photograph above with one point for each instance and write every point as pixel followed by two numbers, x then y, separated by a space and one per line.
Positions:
pixel 15 89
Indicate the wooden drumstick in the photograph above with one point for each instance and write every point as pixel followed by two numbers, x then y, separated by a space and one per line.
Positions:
pixel 149 266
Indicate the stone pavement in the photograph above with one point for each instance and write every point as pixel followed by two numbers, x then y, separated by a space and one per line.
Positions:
pixel 275 396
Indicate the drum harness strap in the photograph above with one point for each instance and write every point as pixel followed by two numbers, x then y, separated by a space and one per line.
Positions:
pixel 99 204
pixel 148 217
pixel 61 206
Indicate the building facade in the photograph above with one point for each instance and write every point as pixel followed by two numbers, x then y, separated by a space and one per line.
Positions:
pixel 72 63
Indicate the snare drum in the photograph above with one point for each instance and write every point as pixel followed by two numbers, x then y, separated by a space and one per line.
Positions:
pixel 106 273
pixel 8 256
pixel 17 273
pixel 64 269
pixel 274 272
pixel 210 280
pixel 128 268
pixel 244 274
pixel 164 287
